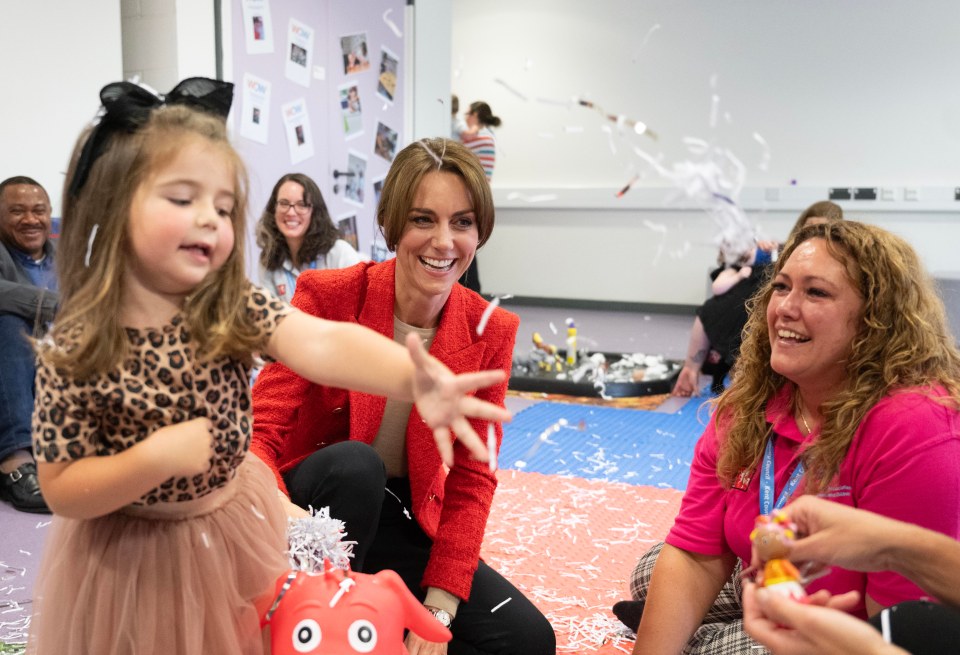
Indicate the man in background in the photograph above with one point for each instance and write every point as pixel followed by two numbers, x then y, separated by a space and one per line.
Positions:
pixel 28 299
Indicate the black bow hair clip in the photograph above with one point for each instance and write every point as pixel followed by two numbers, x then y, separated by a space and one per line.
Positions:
pixel 127 106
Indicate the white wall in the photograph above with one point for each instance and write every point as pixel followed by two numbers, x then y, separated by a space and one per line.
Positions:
pixel 165 41
pixel 430 47
pixel 844 93
pixel 56 56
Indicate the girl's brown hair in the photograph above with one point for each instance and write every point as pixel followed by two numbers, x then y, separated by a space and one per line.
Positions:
pixel 903 341
pixel 411 165
pixel 321 235
pixel 93 251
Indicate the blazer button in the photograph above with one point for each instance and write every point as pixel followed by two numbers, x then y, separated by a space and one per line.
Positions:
pixel 337 410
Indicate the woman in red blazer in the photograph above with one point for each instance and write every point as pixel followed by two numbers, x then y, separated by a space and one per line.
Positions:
pixel 374 462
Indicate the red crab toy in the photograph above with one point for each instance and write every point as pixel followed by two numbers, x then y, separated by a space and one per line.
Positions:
pixel 340 613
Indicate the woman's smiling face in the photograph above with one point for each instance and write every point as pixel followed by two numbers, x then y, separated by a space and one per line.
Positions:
pixel 813 316
pixel 440 237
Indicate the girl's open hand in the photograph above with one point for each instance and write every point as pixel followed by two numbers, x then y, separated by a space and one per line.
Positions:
pixel 442 400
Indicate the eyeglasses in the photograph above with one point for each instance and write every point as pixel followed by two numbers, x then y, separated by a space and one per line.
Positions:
pixel 300 206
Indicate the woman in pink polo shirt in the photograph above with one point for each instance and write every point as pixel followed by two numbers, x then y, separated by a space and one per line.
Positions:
pixel 848 387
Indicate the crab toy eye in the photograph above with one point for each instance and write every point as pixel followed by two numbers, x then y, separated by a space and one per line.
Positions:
pixel 362 636
pixel 306 636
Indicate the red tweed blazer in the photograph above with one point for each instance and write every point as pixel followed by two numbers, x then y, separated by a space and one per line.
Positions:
pixel 293 417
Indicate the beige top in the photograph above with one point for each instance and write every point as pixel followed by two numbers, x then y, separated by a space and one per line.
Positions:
pixel 391 440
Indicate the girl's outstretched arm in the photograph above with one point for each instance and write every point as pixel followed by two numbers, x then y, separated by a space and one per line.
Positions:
pixel 95 486
pixel 351 356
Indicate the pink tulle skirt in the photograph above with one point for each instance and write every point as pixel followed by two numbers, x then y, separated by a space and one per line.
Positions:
pixel 180 578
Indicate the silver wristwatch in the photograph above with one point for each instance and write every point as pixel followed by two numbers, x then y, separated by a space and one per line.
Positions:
pixel 441 615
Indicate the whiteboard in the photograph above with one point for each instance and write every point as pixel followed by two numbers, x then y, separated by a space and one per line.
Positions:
pixel 843 92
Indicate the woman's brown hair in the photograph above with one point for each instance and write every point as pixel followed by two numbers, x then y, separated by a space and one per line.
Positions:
pixel 411 165
pixel 321 234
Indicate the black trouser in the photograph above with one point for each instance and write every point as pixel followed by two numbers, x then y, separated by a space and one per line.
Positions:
pixel 350 479
pixel 923 628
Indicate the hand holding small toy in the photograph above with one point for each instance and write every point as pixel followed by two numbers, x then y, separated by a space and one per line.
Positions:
pixel 772 541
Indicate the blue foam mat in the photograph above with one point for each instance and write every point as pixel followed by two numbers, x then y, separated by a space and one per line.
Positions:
pixel 604 443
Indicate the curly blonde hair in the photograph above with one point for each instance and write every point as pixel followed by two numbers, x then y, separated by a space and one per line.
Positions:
pixel 903 341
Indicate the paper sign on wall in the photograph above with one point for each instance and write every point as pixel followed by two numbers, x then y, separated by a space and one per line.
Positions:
pixel 299 52
pixel 296 124
pixel 355 188
pixel 255 117
pixel 257 27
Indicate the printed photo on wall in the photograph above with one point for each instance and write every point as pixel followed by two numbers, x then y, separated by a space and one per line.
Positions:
pixel 353 192
pixel 387 83
pixel 347 226
pixel 378 189
pixel 351 110
pixel 296 123
pixel 385 144
pixel 299 52
pixel 356 58
pixel 257 27
pixel 255 114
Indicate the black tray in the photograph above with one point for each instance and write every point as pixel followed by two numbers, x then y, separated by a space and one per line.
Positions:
pixel 547 382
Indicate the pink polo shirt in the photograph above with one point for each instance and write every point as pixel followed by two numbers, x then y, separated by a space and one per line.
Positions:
pixel 903 462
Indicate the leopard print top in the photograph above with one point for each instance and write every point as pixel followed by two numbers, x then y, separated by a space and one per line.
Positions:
pixel 159 384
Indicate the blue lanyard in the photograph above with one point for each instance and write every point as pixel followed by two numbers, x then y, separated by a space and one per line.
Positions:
pixel 767 482
pixel 292 279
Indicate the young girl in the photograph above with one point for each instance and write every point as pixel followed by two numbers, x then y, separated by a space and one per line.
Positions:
pixel 167 535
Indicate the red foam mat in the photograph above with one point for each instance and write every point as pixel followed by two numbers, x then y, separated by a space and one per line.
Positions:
pixel 570 544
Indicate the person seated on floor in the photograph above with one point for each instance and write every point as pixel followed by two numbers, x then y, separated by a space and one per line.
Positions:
pixel 28 299
pixel 847 387
pixel 833 534
pixel 295 234
pixel 716 333
pixel 374 462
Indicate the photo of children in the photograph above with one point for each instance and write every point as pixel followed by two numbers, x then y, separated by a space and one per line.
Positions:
pixel 354 190
pixel 354 49
pixel 347 226
pixel 351 110
pixel 385 145
pixel 387 83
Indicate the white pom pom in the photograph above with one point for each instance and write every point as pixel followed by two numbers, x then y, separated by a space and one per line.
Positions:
pixel 316 538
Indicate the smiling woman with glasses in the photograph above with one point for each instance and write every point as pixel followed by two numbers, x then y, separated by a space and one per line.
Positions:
pixel 296 234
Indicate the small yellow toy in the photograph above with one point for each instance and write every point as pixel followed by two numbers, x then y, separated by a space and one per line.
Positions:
pixel 772 539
